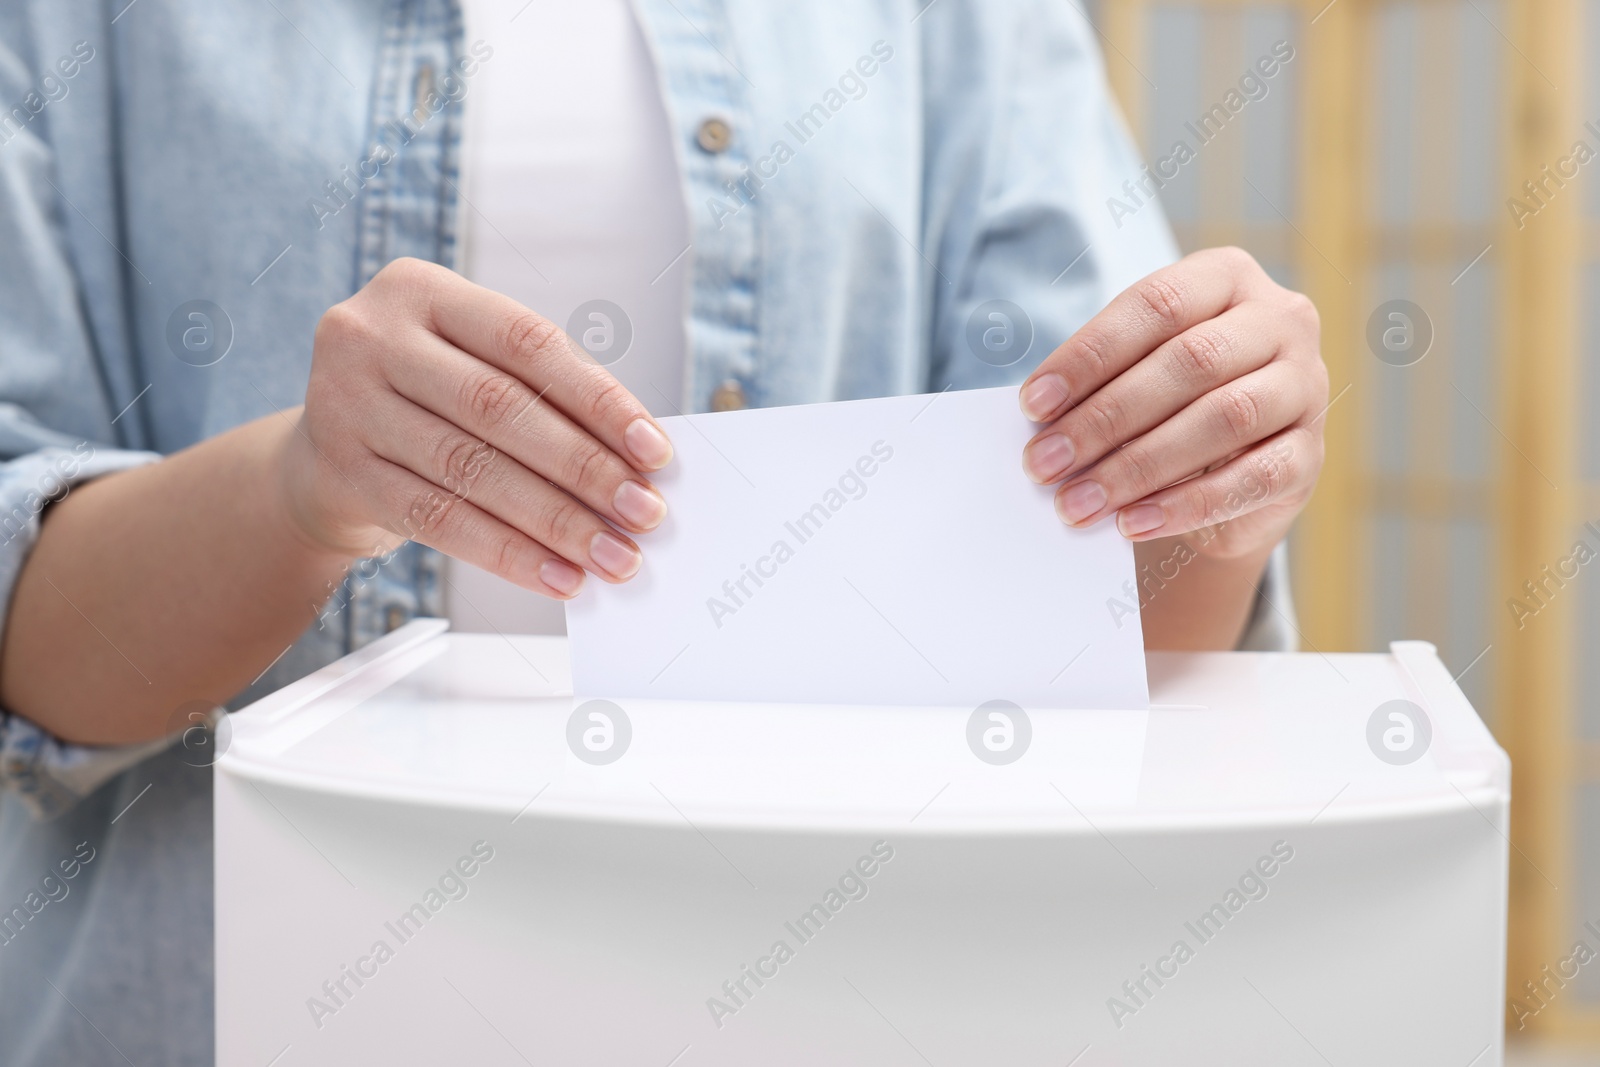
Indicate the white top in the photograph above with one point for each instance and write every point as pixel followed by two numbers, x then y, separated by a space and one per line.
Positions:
pixel 571 191
pixel 1230 739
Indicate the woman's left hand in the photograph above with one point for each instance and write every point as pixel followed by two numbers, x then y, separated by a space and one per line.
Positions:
pixel 1193 401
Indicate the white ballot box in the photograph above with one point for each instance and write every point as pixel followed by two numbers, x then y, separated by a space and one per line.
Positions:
pixel 428 853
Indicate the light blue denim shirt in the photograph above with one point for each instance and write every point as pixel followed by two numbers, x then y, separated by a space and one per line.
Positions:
pixel 187 185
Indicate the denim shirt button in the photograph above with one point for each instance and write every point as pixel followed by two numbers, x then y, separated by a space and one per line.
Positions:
pixel 729 396
pixel 714 135
pixel 394 617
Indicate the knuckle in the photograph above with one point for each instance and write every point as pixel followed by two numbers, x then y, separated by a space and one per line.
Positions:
pixel 526 337
pixel 586 468
pixel 1240 415
pixel 1211 504
pixel 404 271
pixel 1299 457
pixel 457 458
pixel 340 326
pixel 508 549
pixel 1165 301
pixel 1090 350
pixel 426 513
pixel 1303 312
pixel 1237 260
pixel 1142 469
pixel 564 522
pixel 1104 417
pixel 605 401
pixel 1272 473
pixel 1186 508
pixel 493 399
pixel 1317 381
pixel 1202 356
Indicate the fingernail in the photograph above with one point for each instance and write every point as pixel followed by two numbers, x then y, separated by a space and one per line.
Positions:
pixel 1079 502
pixel 561 576
pixel 614 555
pixel 640 505
pixel 1141 518
pixel 1043 395
pixel 649 445
pixel 1048 458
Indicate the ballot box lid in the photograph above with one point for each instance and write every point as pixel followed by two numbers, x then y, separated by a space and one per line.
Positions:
pixel 486 722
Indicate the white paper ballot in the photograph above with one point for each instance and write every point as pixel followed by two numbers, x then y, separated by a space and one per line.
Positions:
pixel 884 551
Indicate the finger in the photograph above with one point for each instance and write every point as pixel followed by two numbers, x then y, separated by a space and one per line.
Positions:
pixel 458 528
pixel 1200 359
pixel 499 408
pixel 470 469
pixel 1280 469
pixel 500 331
pixel 1196 288
pixel 1210 429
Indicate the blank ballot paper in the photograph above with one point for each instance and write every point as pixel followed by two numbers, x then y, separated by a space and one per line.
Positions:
pixel 886 551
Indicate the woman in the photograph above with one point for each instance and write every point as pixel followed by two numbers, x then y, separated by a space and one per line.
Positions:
pixel 246 402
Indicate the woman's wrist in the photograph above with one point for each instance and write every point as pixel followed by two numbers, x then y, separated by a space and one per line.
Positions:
pixel 1192 599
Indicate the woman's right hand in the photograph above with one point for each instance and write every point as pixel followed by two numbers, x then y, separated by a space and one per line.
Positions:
pixel 444 413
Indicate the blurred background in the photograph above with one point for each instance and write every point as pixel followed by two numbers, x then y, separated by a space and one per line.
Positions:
pixel 1385 171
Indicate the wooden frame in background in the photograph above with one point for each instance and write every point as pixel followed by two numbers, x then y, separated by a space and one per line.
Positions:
pixel 1534 516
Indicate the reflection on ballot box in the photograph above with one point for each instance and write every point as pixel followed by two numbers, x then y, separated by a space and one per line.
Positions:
pixel 428 852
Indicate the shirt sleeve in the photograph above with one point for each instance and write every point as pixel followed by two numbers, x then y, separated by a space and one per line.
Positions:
pixel 46 774
pixel 58 427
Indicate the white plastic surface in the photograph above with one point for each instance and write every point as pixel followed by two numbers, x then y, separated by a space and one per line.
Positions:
pixel 1020 898
pixel 1236 737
